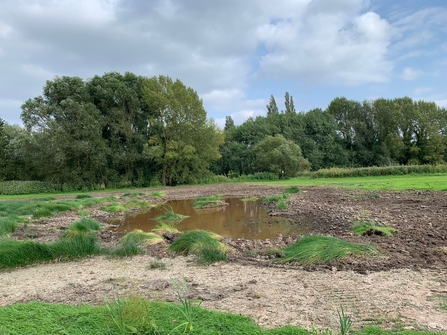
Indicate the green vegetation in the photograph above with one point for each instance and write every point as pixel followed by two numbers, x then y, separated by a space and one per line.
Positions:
pixel 291 190
pixel 163 228
pixel 83 196
pixel 133 194
pixel 209 201
pixel 22 253
pixel 83 226
pixel 157 194
pixel 203 244
pixel 156 264
pixel 371 228
pixel 84 212
pixel 146 317
pixel 314 249
pixel 130 243
pixel 136 204
pixel 273 198
pixel 114 207
pixel 170 215
pixel 186 307
pixel 8 225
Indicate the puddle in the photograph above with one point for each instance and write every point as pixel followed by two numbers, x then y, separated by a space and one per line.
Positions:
pixel 240 219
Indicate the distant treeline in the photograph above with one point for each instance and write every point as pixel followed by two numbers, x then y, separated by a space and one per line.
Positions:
pixel 348 133
pixel 125 130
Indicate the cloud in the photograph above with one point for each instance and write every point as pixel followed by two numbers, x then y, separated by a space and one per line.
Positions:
pixel 332 42
pixel 411 74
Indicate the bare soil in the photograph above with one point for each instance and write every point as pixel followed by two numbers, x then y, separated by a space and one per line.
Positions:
pixel 405 286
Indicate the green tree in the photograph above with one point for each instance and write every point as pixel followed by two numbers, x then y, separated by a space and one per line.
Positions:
pixel 272 108
pixel 290 106
pixel 229 123
pixel 277 155
pixel 182 141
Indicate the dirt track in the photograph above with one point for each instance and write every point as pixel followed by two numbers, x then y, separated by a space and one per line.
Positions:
pixel 406 285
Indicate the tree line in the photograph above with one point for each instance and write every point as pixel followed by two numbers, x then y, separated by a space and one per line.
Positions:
pixel 347 134
pixel 128 130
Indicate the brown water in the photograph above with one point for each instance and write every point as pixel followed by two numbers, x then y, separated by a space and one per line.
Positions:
pixel 240 219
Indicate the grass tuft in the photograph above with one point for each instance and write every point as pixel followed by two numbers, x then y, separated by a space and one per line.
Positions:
pixel 274 198
pixel 140 237
pixel 203 244
pixel 8 225
pixel 85 225
pixel 170 215
pixel 83 196
pixel 163 228
pixel 84 212
pixel 291 190
pixel 371 228
pixel 209 201
pixel 315 249
pixel 113 207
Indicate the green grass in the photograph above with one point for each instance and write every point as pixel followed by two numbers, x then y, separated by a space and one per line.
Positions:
pixel 435 182
pixel 157 194
pixel 371 228
pixel 169 215
pixel 163 228
pixel 291 190
pixel 156 265
pixel 130 243
pixel 83 196
pixel 85 225
pixel 133 194
pixel 209 201
pixel 8 225
pixel 84 212
pixel 113 207
pixel 203 244
pixel 316 249
pixel 147 317
pixel 15 254
pixel 274 198
pixel 136 204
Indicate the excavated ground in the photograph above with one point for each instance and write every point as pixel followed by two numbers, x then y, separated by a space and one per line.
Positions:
pixel 405 286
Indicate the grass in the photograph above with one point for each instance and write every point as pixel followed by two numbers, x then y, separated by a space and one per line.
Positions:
pixel 291 190
pixel 133 194
pixel 371 228
pixel 135 204
pixel 169 215
pixel 85 225
pixel 208 201
pixel 163 228
pixel 273 198
pixel 434 182
pixel 84 212
pixel 8 225
pixel 157 194
pixel 83 196
pixel 281 200
pixel 147 317
pixel 15 254
pixel 156 264
pixel 130 243
pixel 113 207
pixel 316 249
pixel 203 244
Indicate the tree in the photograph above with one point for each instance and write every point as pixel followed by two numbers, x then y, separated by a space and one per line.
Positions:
pixel 272 108
pixel 290 106
pixel 277 155
pixel 182 141
pixel 229 123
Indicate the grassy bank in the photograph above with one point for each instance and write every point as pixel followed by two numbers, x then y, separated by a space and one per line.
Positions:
pixel 138 316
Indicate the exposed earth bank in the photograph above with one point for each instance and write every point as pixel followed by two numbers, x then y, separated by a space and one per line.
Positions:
pixel 405 286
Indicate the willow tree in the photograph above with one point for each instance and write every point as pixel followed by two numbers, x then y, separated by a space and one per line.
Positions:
pixel 182 140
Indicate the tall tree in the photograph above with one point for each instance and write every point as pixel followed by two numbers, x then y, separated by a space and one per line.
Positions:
pixel 229 123
pixel 290 106
pixel 182 141
pixel 272 108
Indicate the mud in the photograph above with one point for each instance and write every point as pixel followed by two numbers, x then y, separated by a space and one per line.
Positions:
pixel 404 286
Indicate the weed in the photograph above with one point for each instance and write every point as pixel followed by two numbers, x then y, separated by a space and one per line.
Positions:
pixel 116 310
pixel 133 194
pixel 113 207
pixel 371 228
pixel 133 204
pixel 141 237
pixel 157 194
pixel 315 248
pixel 282 204
pixel 85 225
pixel 344 321
pixel 274 198
pixel 291 190
pixel 8 225
pixel 186 305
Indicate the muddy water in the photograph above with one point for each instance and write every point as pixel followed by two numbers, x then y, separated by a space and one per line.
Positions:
pixel 240 219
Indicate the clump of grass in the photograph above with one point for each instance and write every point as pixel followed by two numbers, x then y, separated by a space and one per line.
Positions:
pixel 163 228
pixel 83 196
pixel 371 228
pixel 133 204
pixel 315 248
pixel 250 199
pixel 83 226
pixel 274 198
pixel 84 212
pixel 206 246
pixel 127 248
pixel 170 215
pixel 8 225
pixel 282 204
pixel 113 207
pixel 156 264
pixel 157 194
pixel 209 201
pixel 140 237
pixel 133 194
pixel 291 190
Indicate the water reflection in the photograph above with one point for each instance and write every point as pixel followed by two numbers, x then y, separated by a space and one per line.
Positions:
pixel 247 219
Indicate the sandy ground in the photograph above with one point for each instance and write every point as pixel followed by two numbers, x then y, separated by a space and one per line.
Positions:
pixel 406 287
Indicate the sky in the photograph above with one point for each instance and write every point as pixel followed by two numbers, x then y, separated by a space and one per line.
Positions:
pixel 234 53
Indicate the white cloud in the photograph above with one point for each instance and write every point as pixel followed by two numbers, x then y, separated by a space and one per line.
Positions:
pixel 328 45
pixel 411 74
pixel 422 90
pixel 441 103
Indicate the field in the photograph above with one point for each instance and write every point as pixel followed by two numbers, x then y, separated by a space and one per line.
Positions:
pixel 403 286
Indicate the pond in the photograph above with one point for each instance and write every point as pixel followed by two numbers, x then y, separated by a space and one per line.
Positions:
pixel 240 219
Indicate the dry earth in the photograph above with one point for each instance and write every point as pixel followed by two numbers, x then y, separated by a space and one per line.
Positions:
pixel 405 287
